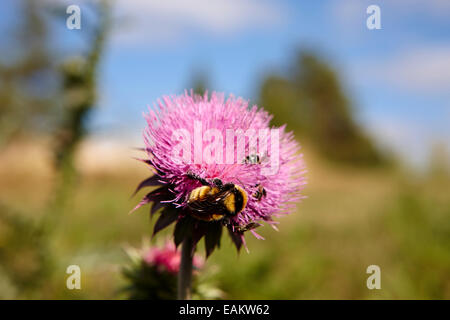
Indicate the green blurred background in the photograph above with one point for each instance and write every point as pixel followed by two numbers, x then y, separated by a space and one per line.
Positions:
pixel 65 192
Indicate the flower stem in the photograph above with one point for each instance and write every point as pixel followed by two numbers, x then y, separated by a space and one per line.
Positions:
pixel 185 272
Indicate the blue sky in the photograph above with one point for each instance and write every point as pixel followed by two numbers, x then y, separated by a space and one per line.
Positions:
pixel 398 77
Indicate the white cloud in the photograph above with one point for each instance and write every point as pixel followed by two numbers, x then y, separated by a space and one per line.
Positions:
pixel 425 70
pixel 408 140
pixel 347 13
pixel 437 8
pixel 354 9
pixel 350 15
pixel 150 21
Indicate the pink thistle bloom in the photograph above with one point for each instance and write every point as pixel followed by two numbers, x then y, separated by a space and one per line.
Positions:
pixel 167 258
pixel 243 170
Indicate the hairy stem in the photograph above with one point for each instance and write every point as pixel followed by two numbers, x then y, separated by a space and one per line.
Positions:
pixel 185 273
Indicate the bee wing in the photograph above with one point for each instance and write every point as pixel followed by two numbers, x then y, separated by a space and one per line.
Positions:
pixel 202 205
pixel 210 204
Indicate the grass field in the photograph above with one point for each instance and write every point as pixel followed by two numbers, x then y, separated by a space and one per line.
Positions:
pixel 351 219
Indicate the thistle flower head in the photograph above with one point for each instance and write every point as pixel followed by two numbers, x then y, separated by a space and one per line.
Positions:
pixel 167 258
pixel 197 141
pixel 152 272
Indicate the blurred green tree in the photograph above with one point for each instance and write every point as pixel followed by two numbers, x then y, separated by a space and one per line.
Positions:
pixel 53 96
pixel 78 96
pixel 312 102
pixel 26 71
pixel 200 82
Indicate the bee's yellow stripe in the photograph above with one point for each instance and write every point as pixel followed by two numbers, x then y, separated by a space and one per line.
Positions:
pixel 201 192
pixel 198 193
pixel 214 190
pixel 229 203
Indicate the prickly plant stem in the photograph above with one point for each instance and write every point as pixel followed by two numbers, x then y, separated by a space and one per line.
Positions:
pixel 185 272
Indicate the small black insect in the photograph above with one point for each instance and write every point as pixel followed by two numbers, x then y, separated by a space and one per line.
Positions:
pixel 260 193
pixel 252 159
pixel 249 226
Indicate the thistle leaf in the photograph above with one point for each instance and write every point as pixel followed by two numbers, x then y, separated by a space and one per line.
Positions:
pixel 168 216
pixel 236 238
pixel 149 182
pixel 212 237
pixel 183 229
pixel 155 207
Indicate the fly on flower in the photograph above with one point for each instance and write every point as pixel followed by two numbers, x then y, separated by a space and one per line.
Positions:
pixel 218 164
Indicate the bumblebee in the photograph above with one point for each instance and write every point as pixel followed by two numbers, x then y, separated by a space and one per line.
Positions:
pixel 215 200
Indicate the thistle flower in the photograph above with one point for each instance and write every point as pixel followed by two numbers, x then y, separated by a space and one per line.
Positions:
pixel 243 171
pixel 151 274
pixel 167 258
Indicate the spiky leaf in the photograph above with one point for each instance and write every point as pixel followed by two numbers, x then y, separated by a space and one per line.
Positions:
pixel 212 237
pixel 183 229
pixel 236 237
pixel 168 216
pixel 149 182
